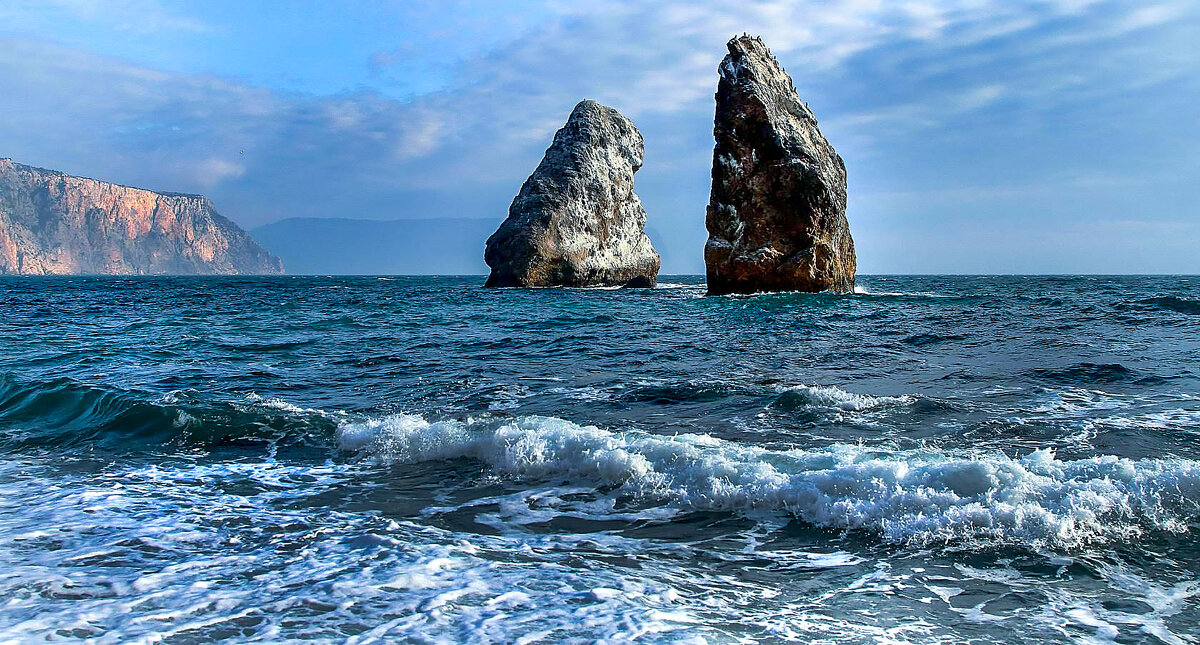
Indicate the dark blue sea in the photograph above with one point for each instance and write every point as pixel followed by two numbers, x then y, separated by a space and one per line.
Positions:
pixel 418 459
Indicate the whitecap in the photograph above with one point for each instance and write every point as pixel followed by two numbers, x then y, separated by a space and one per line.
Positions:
pixel 817 396
pixel 911 496
pixel 275 403
pixel 860 290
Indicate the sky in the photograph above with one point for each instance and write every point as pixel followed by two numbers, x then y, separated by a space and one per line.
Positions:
pixel 980 136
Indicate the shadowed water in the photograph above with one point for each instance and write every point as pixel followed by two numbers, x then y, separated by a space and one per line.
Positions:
pixel 932 459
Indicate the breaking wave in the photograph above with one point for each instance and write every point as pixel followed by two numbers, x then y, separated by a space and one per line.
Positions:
pixel 824 397
pixel 64 412
pixel 910 497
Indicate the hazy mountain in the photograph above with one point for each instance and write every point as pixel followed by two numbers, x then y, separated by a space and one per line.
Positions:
pixel 436 246
pixel 443 246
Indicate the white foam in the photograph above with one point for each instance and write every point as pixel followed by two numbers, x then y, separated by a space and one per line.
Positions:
pixel 276 403
pixel 831 397
pixel 408 580
pixel 860 290
pixel 1084 614
pixel 418 582
pixel 907 496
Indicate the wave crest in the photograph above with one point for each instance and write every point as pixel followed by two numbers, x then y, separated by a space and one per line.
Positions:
pixel 64 412
pixel 925 496
pixel 817 396
pixel 1173 303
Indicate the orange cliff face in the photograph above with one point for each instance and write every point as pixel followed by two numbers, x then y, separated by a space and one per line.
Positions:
pixel 54 223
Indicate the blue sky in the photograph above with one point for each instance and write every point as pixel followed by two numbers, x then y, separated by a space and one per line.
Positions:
pixel 981 136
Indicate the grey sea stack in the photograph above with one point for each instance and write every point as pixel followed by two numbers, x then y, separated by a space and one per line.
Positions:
pixel 577 221
pixel 776 215
pixel 55 223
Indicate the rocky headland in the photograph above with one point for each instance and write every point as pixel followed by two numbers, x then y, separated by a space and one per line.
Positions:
pixel 576 221
pixel 776 216
pixel 55 223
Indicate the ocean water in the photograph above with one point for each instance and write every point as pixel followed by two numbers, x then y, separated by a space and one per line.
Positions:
pixel 929 460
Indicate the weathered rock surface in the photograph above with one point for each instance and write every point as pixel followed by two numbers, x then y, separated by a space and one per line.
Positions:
pixel 577 221
pixel 54 223
pixel 777 212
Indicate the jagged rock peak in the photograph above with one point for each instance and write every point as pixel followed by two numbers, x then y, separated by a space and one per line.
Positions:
pixel 576 221
pixel 55 223
pixel 776 216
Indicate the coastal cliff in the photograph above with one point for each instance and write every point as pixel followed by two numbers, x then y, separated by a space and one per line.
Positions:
pixel 55 223
pixel 577 221
pixel 777 212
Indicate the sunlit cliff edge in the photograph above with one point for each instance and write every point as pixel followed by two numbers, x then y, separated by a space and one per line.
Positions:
pixel 55 223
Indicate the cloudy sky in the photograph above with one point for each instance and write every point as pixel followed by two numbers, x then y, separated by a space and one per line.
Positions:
pixel 980 136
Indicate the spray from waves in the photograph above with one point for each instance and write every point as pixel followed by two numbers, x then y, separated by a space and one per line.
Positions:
pixel 909 497
pixel 804 397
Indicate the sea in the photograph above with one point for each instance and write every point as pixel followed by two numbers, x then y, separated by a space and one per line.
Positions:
pixel 931 459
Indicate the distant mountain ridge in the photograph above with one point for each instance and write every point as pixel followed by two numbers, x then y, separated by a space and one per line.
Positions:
pixel 427 246
pixel 55 223
pixel 434 246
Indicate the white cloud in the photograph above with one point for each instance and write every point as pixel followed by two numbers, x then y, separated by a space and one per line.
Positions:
pixel 212 171
pixel 1150 16
pixel 421 136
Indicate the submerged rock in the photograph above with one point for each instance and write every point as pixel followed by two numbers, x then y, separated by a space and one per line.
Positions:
pixel 54 223
pixel 777 211
pixel 577 221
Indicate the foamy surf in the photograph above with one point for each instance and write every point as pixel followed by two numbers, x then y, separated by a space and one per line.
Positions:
pixel 879 470
pixel 913 497
pixel 828 397
pixel 860 290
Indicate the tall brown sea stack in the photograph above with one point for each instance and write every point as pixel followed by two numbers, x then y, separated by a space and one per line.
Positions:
pixel 777 211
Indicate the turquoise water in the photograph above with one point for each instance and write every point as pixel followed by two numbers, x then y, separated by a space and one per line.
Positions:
pixel 932 459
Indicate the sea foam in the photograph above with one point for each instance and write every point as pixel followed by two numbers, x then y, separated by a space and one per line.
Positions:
pixel 827 397
pixel 912 496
